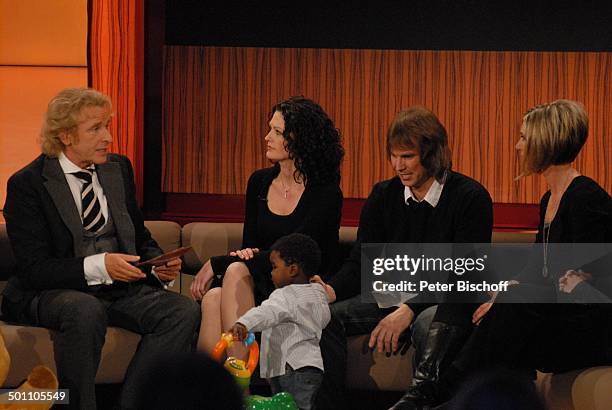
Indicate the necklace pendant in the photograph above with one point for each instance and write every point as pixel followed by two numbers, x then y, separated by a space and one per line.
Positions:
pixel 545 271
pixel 286 190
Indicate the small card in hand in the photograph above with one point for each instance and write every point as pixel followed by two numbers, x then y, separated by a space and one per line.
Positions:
pixel 165 258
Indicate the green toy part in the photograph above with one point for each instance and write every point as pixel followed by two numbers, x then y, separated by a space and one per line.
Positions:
pixel 280 401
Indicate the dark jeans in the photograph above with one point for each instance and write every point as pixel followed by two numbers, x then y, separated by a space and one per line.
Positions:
pixel 302 384
pixel 360 318
pixel 167 322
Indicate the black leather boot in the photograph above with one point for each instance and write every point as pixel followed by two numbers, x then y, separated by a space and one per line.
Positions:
pixel 443 343
pixel 423 396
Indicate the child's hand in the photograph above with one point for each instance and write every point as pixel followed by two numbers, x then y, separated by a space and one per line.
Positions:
pixel 239 331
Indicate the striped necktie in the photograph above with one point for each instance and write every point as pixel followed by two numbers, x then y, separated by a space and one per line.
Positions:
pixel 93 219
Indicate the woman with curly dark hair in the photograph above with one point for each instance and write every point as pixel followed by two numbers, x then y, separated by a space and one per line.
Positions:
pixel 299 193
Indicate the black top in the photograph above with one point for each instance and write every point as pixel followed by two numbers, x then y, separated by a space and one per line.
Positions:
pixel 317 215
pixel 464 214
pixel 584 216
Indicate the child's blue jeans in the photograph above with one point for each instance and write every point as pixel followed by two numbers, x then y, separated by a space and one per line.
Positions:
pixel 302 384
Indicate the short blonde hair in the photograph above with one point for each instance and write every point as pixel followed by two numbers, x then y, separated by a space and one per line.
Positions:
pixel 63 115
pixel 555 133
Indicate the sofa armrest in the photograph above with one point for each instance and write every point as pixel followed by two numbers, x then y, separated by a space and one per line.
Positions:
pixel 29 346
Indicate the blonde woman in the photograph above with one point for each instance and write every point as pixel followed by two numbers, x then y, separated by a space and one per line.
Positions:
pixel 549 337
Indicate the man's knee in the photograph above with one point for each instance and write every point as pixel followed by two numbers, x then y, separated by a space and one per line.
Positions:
pixel 354 310
pixel 358 317
pixel 186 312
pixel 73 311
pixel 341 310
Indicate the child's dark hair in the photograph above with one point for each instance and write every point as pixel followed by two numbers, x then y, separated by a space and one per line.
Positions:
pixel 299 249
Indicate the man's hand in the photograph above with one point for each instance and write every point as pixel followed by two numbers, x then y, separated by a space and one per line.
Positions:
pixel 239 331
pixel 571 278
pixel 481 311
pixel 202 281
pixel 169 271
pixel 118 267
pixel 331 293
pixel 386 334
pixel 245 254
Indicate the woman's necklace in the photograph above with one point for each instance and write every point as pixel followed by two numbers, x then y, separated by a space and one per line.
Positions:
pixel 546 241
pixel 546 238
pixel 285 188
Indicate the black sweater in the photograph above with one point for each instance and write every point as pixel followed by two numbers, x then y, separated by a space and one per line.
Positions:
pixel 464 214
pixel 317 215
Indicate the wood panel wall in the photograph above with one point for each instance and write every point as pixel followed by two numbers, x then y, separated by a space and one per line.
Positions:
pixel 43 49
pixel 116 55
pixel 217 99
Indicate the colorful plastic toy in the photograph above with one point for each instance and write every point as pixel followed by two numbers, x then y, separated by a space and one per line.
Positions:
pixel 238 368
pixel 242 373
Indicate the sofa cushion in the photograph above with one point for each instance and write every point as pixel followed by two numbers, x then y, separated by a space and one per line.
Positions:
pixel 209 239
pixel 347 235
pixel 592 388
pixel 167 234
pixel 367 370
pixel 585 389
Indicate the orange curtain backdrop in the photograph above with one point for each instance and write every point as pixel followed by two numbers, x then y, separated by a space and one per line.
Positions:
pixel 116 55
pixel 217 99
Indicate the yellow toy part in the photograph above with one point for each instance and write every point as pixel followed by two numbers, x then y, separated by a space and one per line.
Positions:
pixel 40 378
pixel 239 370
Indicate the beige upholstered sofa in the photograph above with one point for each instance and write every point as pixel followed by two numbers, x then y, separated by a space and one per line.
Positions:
pixel 587 389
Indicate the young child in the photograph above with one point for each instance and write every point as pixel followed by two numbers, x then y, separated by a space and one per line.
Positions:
pixel 291 321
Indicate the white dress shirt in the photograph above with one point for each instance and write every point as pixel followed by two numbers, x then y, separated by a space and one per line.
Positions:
pixel 291 321
pixel 432 197
pixel 94 266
